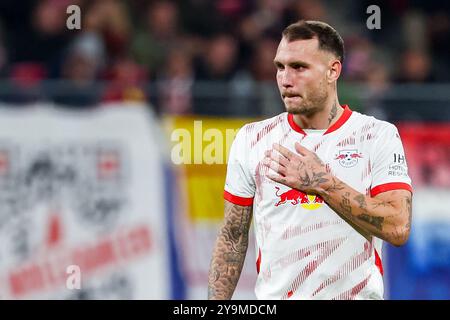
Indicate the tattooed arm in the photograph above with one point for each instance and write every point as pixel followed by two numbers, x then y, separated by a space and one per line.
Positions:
pixel 229 252
pixel 386 216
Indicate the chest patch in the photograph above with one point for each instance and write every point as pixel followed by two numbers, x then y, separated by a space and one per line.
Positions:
pixel 348 158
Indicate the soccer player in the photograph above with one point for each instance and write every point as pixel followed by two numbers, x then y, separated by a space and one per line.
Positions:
pixel 324 185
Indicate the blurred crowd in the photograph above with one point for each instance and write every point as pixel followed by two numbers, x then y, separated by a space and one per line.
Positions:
pixel 204 56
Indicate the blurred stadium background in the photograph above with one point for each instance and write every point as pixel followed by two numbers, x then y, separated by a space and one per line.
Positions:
pixel 91 121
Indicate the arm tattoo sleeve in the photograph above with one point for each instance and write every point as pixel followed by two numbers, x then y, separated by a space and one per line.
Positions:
pixel 229 252
pixel 388 217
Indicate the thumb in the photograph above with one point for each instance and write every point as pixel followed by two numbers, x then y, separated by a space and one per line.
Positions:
pixel 301 149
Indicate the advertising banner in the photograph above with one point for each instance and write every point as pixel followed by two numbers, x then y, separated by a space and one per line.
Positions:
pixel 82 204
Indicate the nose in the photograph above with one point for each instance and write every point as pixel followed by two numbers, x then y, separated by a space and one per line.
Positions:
pixel 286 79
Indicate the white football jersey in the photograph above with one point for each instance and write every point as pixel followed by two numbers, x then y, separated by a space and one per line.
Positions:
pixel 304 249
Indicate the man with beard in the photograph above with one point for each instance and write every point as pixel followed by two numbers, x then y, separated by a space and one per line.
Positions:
pixel 324 185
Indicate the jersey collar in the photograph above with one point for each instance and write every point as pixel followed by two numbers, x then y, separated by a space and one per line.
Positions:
pixel 339 123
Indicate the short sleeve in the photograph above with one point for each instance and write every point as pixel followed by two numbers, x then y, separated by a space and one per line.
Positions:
pixel 239 182
pixel 389 167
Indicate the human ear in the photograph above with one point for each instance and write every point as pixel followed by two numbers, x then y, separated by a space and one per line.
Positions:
pixel 334 71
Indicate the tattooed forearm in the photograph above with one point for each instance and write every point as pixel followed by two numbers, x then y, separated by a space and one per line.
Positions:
pixel 334 186
pixel 397 236
pixel 400 233
pixel 388 216
pixel 229 252
pixel 345 204
pixel 408 204
pixel 377 222
pixel 361 199
pixel 377 204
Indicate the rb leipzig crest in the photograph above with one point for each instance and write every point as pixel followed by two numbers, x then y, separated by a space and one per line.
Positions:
pixel 348 158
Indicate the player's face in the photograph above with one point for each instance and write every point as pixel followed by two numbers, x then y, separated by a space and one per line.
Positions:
pixel 301 75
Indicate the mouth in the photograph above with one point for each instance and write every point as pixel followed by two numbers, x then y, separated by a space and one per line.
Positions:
pixel 290 95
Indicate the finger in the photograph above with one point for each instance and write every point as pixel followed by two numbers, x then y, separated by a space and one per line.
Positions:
pixel 301 149
pixel 275 166
pixel 277 178
pixel 283 161
pixel 277 157
pixel 274 154
pixel 284 151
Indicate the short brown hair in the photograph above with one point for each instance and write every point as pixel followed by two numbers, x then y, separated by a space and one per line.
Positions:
pixel 329 39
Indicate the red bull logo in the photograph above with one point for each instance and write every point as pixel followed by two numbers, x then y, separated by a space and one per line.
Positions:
pixel 340 157
pixel 294 197
pixel 355 155
pixel 348 158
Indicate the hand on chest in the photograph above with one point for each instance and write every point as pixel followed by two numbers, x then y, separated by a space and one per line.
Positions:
pixel 350 163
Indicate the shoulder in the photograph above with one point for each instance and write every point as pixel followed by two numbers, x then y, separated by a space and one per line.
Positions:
pixel 255 131
pixel 256 126
pixel 369 124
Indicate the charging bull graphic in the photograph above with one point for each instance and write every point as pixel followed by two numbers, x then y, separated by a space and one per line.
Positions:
pixel 295 197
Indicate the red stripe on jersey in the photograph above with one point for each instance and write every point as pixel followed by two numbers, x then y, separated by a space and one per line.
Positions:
pixel 261 171
pixel 326 249
pixel 340 122
pixel 264 131
pixel 366 171
pixel 347 141
pixel 295 231
pixel 389 187
pixel 367 127
pixel 260 175
pixel 294 126
pixel 317 146
pixel 378 262
pixel 342 119
pixel 355 261
pixel 258 261
pixel 241 201
pixel 351 294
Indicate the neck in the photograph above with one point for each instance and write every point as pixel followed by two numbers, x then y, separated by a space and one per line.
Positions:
pixel 322 119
